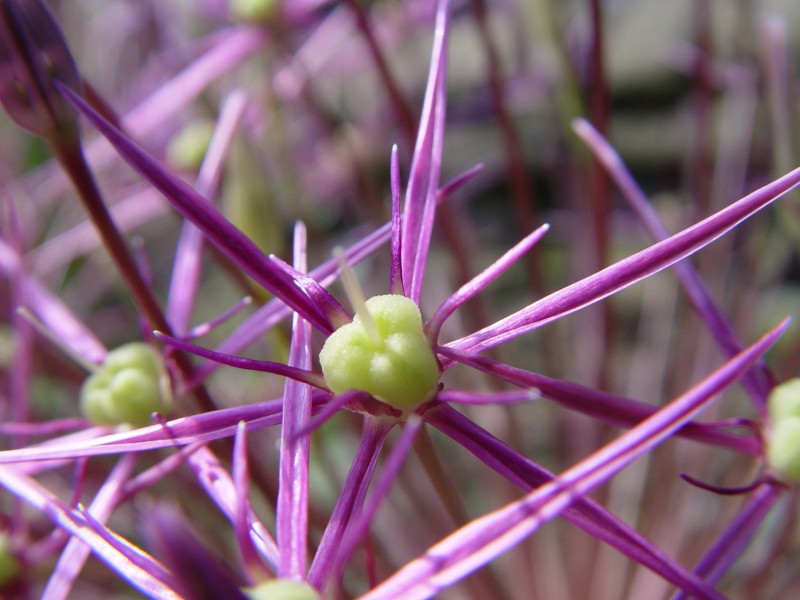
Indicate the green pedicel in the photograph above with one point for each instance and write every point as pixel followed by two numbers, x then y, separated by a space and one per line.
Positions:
pixel 130 386
pixel 395 363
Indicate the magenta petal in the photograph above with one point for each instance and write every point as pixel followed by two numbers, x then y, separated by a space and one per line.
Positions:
pixel 292 510
pixel 489 536
pixel 627 271
pixel 758 381
pixel 423 179
pixel 232 242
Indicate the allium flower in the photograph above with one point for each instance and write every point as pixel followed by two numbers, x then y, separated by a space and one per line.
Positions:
pixel 389 363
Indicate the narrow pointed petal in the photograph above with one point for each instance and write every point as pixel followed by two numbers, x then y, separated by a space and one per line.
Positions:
pixel 186 266
pixel 423 179
pixel 203 427
pixel 758 381
pixel 486 537
pixel 75 337
pixel 737 537
pixel 396 266
pixel 584 512
pixel 224 235
pixel 239 362
pixel 608 408
pixel 360 526
pixel 470 289
pixel 243 510
pixel 292 509
pixel 145 574
pixel 350 501
pixel 220 487
pixel 627 271
pixel 477 398
pixel 76 552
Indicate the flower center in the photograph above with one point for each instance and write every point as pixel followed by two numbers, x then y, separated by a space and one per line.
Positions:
pixel 384 353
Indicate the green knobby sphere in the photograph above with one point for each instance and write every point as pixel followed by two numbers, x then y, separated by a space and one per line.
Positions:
pixel 130 386
pixel 783 436
pixel 395 363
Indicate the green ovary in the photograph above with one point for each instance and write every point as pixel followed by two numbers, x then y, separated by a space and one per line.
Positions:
pixel 130 386
pixel 395 364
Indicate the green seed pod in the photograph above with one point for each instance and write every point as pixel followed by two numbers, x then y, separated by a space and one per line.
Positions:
pixel 394 362
pixel 130 386
pixel 283 589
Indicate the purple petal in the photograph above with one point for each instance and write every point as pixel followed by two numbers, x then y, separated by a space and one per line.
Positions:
pixel 74 556
pixel 470 289
pixel 360 526
pixel 489 536
pixel 585 513
pixel 423 178
pixel 144 573
pixel 292 509
pixel 758 381
pixel 627 271
pixel 350 499
pixel 186 267
pixel 243 510
pixel 232 242
pixel 608 408
pixel 249 364
pixel 220 487
pixel 396 268
pixel 737 537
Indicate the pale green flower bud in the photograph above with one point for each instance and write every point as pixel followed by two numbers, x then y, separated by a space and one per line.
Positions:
pixel 283 589
pixel 130 386
pixel 394 363
pixel 783 434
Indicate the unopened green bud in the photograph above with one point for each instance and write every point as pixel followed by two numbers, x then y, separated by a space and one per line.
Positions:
pixel 130 386
pixel 283 589
pixel 394 363
pixel 783 434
